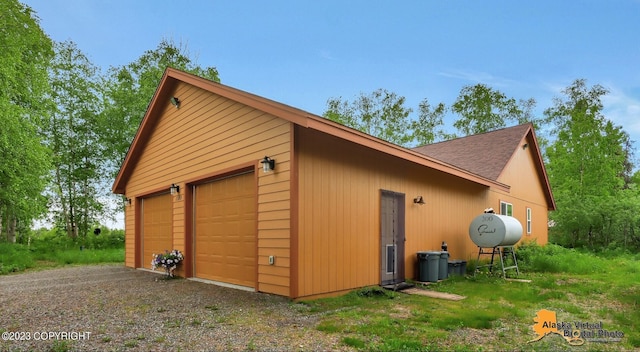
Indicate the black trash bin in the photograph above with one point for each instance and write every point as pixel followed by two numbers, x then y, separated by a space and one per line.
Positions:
pixel 423 267
pixel 462 269
pixel 457 267
pixel 428 266
pixel 443 269
pixel 433 263
pixel 454 267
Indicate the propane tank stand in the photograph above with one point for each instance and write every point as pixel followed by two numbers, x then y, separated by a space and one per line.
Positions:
pixel 502 252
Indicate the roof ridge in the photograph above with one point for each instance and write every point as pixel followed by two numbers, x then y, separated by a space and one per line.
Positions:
pixel 528 124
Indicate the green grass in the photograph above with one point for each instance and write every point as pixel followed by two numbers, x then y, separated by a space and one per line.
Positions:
pixel 497 314
pixel 57 251
pixel 15 257
pixel 86 256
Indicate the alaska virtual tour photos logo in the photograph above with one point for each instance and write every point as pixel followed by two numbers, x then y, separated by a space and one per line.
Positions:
pixel 576 333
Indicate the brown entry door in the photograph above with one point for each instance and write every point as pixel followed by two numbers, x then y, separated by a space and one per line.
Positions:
pixel 392 238
pixel 225 230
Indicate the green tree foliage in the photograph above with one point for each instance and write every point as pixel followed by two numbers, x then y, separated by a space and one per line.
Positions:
pixel 130 88
pixel 25 52
pixel 483 109
pixel 74 139
pixel 589 165
pixel 380 114
pixel 428 127
pixel 383 114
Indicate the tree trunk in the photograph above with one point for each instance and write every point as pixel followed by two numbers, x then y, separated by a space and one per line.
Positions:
pixel 11 229
pixel 1 223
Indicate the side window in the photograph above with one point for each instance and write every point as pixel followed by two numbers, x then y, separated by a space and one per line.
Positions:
pixel 528 221
pixel 506 208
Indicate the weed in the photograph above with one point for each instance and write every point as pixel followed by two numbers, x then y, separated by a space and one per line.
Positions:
pixel 60 346
pixel 174 323
pixel 375 291
pixel 251 346
pixel 131 344
pixel 353 342
pixel 330 327
pixel 401 344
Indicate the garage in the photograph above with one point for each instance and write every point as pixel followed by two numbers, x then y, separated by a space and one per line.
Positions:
pixel 157 221
pixel 225 230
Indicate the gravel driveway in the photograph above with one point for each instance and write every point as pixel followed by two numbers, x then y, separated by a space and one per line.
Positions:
pixel 113 308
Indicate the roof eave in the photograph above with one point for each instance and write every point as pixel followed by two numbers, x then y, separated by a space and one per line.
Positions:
pixel 542 169
pixel 144 130
pixel 294 115
pixel 539 163
pixel 344 132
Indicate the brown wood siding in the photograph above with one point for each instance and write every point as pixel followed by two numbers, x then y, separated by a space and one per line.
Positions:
pixel 130 235
pixel 274 225
pixel 209 134
pixel 527 190
pixel 156 227
pixel 339 215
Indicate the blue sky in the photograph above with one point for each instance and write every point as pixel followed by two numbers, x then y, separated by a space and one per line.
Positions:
pixel 303 52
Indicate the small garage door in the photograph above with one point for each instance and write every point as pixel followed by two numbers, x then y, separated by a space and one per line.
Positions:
pixel 157 224
pixel 225 230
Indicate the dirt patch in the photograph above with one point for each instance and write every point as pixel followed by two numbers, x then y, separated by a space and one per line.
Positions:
pixel 434 294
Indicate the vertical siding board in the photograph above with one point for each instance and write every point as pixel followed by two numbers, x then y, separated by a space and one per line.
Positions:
pixel 210 134
pixel 527 190
pixel 340 199
pixel 324 221
pixel 333 229
pixel 309 279
pixel 129 230
pixel 339 232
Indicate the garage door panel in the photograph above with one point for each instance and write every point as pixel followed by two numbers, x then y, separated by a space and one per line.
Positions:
pixel 225 230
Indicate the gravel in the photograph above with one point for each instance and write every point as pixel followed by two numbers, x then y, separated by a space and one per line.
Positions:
pixel 114 308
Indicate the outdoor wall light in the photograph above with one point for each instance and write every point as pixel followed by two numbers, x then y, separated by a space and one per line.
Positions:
pixel 268 164
pixel 418 200
pixel 175 189
pixel 127 202
pixel 175 102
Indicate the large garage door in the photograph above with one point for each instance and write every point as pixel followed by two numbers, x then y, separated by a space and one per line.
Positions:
pixel 157 224
pixel 225 230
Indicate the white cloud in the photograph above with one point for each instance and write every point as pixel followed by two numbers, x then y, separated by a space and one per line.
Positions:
pixel 477 77
pixel 326 54
pixel 623 110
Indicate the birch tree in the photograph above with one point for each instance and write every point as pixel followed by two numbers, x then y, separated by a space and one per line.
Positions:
pixel 589 168
pixel 381 114
pixel 130 88
pixel 483 109
pixel 25 52
pixel 73 137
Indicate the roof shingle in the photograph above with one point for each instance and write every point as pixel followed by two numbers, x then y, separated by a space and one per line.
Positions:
pixel 485 154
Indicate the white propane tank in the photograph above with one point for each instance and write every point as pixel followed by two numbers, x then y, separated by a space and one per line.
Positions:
pixel 490 230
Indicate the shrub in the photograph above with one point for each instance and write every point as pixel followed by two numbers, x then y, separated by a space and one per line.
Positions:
pixel 553 259
pixel 14 257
